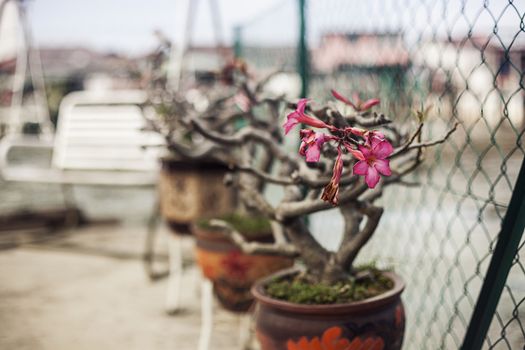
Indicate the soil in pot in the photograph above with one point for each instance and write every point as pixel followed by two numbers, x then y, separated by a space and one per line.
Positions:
pixel 297 289
pixel 189 190
pixel 366 313
pixel 231 271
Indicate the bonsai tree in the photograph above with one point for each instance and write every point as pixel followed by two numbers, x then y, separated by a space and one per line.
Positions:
pixel 347 156
pixel 344 160
pixel 230 101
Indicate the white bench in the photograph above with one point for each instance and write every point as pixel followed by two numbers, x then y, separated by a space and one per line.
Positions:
pixel 99 141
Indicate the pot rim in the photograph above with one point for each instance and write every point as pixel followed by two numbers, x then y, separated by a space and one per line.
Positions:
pixel 183 163
pixel 377 301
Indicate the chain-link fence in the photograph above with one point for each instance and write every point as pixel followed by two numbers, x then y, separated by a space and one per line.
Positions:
pixel 466 59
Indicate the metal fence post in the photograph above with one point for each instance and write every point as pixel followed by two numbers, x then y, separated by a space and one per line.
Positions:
pixel 237 41
pixel 500 265
pixel 302 50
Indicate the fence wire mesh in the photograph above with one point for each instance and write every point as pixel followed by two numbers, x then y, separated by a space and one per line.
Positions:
pixel 466 59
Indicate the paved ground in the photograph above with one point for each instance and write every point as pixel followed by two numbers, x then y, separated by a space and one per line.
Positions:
pixel 89 291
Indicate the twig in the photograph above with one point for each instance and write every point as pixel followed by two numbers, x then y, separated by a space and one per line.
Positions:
pixel 408 147
pixel 404 148
pixel 282 249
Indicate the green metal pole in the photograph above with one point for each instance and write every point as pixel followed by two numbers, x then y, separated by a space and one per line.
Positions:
pixel 302 50
pixel 500 265
pixel 303 65
pixel 237 43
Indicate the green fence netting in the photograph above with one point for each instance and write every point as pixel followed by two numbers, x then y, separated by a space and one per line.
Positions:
pixel 466 59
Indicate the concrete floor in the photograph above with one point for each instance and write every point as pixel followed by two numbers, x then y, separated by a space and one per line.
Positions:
pixel 88 290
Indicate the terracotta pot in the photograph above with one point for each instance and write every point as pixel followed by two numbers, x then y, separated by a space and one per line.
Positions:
pixel 189 190
pixel 376 323
pixel 231 271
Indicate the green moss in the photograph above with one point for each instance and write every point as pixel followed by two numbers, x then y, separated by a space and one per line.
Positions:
pixel 298 290
pixel 249 226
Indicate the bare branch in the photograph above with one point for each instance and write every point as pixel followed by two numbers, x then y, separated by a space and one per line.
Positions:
pixel 411 140
pixel 436 142
pixel 263 175
pixel 409 146
pixel 256 200
pixel 281 249
pixel 372 121
pixel 297 209
pixel 278 232
pixel 243 136
pixel 294 179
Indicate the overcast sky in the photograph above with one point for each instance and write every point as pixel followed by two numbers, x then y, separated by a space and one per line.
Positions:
pixel 127 25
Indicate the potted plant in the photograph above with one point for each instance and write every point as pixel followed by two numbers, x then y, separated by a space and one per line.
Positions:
pixel 330 302
pixel 194 181
pixel 348 155
pixel 232 271
pixel 190 189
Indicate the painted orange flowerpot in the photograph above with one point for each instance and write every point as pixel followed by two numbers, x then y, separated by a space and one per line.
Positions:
pixel 231 271
pixel 189 190
pixel 376 323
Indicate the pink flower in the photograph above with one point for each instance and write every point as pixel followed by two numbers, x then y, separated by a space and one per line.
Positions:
pixel 331 191
pixel 358 105
pixel 373 137
pixel 311 144
pixel 298 116
pixel 372 161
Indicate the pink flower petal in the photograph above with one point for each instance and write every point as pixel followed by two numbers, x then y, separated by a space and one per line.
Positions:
pixel 357 154
pixel 313 153
pixel 311 144
pixel 379 134
pixel 366 151
pixel 383 166
pixel 316 123
pixel 342 98
pixel 383 149
pixel 372 177
pixel 361 168
pixel 302 148
pixel 370 103
pixel 301 105
pixel 373 137
pixel 291 121
pixel 357 100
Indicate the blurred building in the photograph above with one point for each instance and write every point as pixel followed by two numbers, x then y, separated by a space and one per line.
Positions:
pixel 481 73
pixel 344 51
pixel 372 63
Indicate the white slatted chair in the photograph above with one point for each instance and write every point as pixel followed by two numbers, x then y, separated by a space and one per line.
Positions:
pixel 99 141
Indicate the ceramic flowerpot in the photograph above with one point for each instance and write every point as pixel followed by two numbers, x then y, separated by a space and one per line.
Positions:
pixel 189 190
pixel 376 323
pixel 231 271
